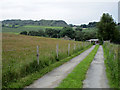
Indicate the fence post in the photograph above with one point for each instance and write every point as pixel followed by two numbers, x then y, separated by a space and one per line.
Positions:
pixel 68 49
pixel 85 44
pixel 82 44
pixel 38 54
pixel 57 50
pixel 79 45
pixel 74 46
pixel 114 56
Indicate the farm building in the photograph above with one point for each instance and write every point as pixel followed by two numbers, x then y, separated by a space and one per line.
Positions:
pixel 96 41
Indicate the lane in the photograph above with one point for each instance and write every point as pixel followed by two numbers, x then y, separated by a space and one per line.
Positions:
pixel 53 78
pixel 96 75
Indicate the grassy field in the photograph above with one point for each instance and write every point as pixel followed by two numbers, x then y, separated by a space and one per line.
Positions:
pixel 112 62
pixel 36 28
pixel 27 28
pixel 90 30
pixel 76 77
pixel 19 54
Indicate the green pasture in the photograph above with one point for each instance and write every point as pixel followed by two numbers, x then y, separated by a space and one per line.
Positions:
pixel 27 28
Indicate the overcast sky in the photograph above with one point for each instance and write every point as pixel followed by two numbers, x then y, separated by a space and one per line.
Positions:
pixel 71 11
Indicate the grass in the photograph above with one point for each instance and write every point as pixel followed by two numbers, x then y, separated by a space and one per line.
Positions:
pixel 19 55
pixel 90 30
pixel 34 76
pixel 112 62
pixel 37 28
pixel 76 77
pixel 27 28
pixel 54 27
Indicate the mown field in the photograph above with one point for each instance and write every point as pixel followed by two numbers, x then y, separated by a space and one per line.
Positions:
pixel 27 28
pixel 90 30
pixel 112 62
pixel 19 55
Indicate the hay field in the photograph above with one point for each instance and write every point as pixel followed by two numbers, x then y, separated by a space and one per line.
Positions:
pixel 19 54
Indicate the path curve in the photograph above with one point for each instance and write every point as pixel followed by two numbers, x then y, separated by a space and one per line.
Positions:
pixel 96 75
pixel 53 78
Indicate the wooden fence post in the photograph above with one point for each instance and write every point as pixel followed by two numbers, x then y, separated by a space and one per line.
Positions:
pixel 82 44
pixel 79 45
pixel 57 50
pixel 38 54
pixel 114 56
pixel 68 49
pixel 74 46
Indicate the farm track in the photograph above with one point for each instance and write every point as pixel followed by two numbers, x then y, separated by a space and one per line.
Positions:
pixel 53 78
pixel 96 75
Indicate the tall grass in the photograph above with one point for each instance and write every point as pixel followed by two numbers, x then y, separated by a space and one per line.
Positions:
pixel 19 54
pixel 112 62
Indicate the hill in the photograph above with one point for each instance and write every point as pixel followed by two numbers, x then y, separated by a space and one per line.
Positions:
pixel 58 23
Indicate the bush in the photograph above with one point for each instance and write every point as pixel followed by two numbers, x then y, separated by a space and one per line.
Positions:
pixel 68 31
pixel 93 43
pixel 24 33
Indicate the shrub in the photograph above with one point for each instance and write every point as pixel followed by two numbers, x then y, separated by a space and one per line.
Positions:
pixel 24 33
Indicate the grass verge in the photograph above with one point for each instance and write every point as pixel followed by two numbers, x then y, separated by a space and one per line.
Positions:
pixel 112 65
pixel 76 77
pixel 21 83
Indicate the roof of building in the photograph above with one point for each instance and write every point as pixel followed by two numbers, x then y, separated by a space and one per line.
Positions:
pixel 93 40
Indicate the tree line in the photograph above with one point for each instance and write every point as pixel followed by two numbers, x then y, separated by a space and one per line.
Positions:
pixel 14 22
pixel 108 30
pixel 75 34
pixel 89 25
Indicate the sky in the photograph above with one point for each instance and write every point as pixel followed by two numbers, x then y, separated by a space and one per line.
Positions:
pixel 72 11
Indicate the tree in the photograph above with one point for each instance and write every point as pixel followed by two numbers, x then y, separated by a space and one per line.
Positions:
pixel 33 33
pixel 53 33
pixel 106 27
pixel 68 31
pixel 92 24
pixel 41 33
pixel 83 26
pixel 71 25
pixel 79 36
pixel 24 33
pixel 56 34
pixel 78 29
pixel 49 32
pixel 3 25
pixel 116 38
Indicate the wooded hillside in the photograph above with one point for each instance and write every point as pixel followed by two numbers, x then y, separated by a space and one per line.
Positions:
pixel 59 23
